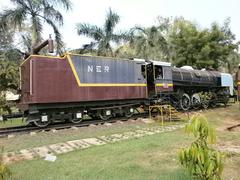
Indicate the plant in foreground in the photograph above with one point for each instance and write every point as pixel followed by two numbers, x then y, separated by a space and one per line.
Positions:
pixel 5 172
pixel 202 161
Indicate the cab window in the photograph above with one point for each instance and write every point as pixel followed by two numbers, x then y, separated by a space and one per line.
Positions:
pixel 167 73
pixel 158 72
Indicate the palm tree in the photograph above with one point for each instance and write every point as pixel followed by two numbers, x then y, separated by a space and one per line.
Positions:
pixel 103 37
pixel 37 12
pixel 149 43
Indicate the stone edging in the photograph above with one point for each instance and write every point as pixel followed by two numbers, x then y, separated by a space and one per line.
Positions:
pixel 59 148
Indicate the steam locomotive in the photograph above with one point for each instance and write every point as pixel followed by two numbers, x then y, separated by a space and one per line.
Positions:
pixel 58 89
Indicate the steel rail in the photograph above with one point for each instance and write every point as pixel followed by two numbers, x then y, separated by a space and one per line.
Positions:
pixel 27 129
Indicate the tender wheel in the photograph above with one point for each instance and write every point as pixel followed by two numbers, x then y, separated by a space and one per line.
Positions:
pixel 185 102
pixel 43 121
pixel 77 117
pixel 128 112
pixel 41 124
pixel 105 114
pixel 39 120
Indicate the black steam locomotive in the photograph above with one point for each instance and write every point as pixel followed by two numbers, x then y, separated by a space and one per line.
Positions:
pixel 190 88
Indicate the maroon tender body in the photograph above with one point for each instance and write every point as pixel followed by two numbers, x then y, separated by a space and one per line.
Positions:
pixel 52 80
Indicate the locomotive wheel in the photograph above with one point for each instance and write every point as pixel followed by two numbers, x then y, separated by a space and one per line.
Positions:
pixel 214 100
pixel 195 101
pixel 128 112
pixel 185 102
pixel 213 104
pixel 205 104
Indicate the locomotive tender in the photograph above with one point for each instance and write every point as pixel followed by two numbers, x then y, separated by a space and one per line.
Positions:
pixel 57 89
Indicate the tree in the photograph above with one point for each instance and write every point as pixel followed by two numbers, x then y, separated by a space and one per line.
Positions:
pixel 6 39
pixel 232 62
pixel 202 161
pixel 9 64
pixel 38 12
pixel 207 48
pixel 149 43
pixel 9 81
pixel 103 36
pixel 181 41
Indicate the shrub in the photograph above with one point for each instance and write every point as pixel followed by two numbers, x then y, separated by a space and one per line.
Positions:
pixel 202 161
pixel 5 172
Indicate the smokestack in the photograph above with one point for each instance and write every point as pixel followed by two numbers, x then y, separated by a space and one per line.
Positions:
pixel 50 44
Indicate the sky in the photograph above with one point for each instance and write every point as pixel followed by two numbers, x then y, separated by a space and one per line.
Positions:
pixel 144 13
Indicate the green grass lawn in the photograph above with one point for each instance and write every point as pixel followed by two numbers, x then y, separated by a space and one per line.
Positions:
pixel 150 157
pixel 13 122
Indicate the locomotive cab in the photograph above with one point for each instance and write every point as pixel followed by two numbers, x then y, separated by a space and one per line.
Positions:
pixel 159 78
pixel 162 77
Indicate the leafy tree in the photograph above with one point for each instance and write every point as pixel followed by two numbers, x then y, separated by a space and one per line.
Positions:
pixel 9 64
pixel 104 36
pixel 6 39
pixel 231 62
pixel 38 12
pixel 9 81
pixel 125 51
pixel 207 48
pixel 181 39
pixel 202 161
pixel 149 43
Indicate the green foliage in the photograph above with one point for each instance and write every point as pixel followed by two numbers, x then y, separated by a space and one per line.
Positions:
pixel 149 43
pixel 202 161
pixel 9 81
pixel 5 172
pixel 9 64
pixel 9 75
pixel 103 36
pixel 201 48
pixel 6 39
pixel 36 12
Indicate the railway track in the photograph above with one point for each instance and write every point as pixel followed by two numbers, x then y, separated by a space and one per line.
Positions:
pixel 4 132
pixel 27 129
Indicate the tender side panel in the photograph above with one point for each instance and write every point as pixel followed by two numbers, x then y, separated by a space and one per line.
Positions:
pixel 105 71
pixel 53 81
pixel 26 75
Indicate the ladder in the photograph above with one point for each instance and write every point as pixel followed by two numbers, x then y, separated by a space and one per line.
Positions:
pixel 165 112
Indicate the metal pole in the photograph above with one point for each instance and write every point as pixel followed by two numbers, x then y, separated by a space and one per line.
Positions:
pixel 162 114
